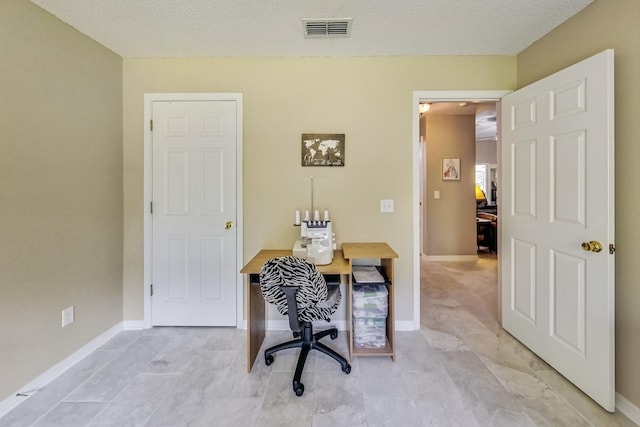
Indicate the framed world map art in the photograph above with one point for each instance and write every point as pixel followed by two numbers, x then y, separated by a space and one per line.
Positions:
pixel 323 149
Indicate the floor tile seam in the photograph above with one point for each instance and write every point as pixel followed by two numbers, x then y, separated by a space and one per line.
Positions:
pixel 42 415
pixel 170 392
pixel 95 417
pixel 115 401
pixel 35 423
pixel 568 404
pixel 529 372
pixel 106 363
pixel 120 354
pixel 511 364
pixel 124 386
pixel 463 333
pixel 562 396
pixel 522 412
pixel 86 401
pixel 386 398
pixel 213 352
pixel 128 347
pixel 514 397
pixel 229 373
pixel 430 329
pixel 96 372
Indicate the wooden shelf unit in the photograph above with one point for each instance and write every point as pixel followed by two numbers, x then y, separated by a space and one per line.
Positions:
pixel 386 255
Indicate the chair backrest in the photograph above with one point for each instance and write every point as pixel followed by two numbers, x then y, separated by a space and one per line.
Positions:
pixel 296 272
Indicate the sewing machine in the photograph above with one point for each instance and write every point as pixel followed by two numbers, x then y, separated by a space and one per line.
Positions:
pixel 317 243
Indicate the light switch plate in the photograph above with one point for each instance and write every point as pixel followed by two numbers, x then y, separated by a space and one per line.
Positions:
pixel 386 206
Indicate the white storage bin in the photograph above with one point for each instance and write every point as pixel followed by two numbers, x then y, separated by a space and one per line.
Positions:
pixel 378 311
pixel 370 297
pixel 369 332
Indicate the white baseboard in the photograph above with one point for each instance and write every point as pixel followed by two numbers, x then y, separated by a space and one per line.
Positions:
pixel 58 369
pixel 406 325
pixel 134 325
pixel 450 257
pixel 628 409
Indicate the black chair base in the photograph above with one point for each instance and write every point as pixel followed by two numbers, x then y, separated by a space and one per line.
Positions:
pixel 308 341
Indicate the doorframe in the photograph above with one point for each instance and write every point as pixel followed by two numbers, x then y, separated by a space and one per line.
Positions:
pixel 437 96
pixel 149 99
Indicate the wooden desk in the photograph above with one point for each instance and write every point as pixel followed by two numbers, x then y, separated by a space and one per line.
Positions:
pixel 256 314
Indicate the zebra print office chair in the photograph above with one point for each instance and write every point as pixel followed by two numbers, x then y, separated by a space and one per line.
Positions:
pixel 300 291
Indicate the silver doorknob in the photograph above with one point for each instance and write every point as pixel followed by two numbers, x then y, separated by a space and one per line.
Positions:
pixel 228 225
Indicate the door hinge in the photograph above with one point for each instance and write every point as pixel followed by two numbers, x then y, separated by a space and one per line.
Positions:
pixel 151 290
pixel 612 248
pixel 151 207
pixel 151 125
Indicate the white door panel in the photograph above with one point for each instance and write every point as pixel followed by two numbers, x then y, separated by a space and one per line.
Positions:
pixel 557 192
pixel 194 190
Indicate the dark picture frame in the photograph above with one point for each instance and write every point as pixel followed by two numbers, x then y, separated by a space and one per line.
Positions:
pixel 322 149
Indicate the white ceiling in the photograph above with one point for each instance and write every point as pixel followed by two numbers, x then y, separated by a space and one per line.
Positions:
pixel 210 28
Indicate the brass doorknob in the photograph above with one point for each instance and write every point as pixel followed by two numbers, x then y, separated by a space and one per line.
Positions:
pixel 592 246
pixel 228 225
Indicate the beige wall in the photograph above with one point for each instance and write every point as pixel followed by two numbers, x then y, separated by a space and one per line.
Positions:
pixel 451 226
pixel 368 99
pixel 61 187
pixel 602 25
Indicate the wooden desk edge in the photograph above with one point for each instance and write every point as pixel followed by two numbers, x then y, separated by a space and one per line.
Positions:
pixel 368 250
pixel 339 265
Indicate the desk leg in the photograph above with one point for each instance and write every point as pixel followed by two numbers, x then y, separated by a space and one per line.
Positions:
pixel 256 322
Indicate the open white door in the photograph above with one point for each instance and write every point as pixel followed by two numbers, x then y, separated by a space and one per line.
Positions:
pixel 558 192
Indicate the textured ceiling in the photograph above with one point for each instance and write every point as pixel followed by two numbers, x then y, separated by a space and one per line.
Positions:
pixel 208 28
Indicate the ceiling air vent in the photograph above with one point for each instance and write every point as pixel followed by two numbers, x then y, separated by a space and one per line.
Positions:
pixel 327 27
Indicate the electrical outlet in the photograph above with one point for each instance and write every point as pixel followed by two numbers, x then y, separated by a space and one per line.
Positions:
pixel 67 316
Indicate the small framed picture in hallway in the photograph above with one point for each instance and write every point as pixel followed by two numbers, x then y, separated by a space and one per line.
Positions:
pixel 451 169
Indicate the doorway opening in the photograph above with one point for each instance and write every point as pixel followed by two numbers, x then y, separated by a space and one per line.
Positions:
pixel 420 155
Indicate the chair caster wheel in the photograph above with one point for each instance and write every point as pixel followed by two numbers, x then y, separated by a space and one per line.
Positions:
pixel 346 369
pixel 268 360
pixel 298 389
pixel 334 335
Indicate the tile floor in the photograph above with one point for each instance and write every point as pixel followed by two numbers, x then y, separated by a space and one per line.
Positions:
pixel 459 369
